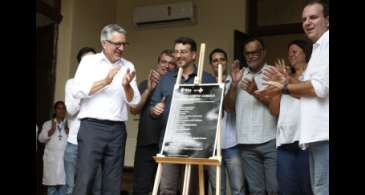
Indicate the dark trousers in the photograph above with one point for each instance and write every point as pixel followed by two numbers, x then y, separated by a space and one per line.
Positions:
pixel 172 179
pixel 100 142
pixel 259 167
pixel 144 169
pixel 293 170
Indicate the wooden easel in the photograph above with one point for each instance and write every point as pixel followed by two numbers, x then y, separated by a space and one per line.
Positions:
pixel 214 160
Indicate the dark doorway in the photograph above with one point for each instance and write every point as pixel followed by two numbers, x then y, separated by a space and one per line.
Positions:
pixel 239 38
pixel 45 82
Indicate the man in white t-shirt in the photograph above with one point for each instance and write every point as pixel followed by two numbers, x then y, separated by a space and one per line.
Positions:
pixel 73 107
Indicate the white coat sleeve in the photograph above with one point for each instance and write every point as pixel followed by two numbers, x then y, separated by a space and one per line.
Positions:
pixel 43 136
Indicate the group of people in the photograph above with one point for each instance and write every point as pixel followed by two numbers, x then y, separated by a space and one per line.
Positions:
pixel 275 133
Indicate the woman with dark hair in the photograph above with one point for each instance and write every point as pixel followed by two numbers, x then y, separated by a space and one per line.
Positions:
pixel 292 161
pixel 54 134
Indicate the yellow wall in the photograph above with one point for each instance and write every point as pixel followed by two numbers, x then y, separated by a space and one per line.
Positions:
pixel 80 27
pixel 215 25
pixel 215 22
pixel 83 20
pixel 64 48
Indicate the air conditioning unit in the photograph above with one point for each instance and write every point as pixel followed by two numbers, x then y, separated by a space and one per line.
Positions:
pixel 162 14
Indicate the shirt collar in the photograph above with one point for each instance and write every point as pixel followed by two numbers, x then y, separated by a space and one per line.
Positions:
pixel 102 57
pixel 323 39
pixel 259 72
pixel 194 73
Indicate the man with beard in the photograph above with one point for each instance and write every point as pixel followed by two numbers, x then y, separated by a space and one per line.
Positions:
pixel 185 55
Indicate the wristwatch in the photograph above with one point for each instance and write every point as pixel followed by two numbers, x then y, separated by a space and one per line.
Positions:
pixel 285 89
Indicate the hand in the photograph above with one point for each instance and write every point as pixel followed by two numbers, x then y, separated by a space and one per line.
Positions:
pixel 158 109
pixel 109 78
pixel 236 73
pixel 248 85
pixel 271 88
pixel 153 79
pixel 271 73
pixel 281 66
pixel 128 77
pixel 53 128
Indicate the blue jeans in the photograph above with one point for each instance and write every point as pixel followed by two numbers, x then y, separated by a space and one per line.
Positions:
pixel 231 162
pixel 211 178
pixel 319 167
pixel 70 161
pixel 70 158
pixel 293 170
pixel 56 190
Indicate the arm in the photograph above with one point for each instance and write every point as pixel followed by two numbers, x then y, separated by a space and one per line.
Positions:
pixel 85 84
pixel 302 88
pixel 158 109
pixel 229 100
pixel 316 85
pixel 250 87
pixel 266 100
pixel 132 95
pixel 129 93
pixel 274 105
pixel 98 85
pixel 48 129
pixel 136 110
pixel 144 97
pixel 157 104
pixel 147 92
pixel 72 104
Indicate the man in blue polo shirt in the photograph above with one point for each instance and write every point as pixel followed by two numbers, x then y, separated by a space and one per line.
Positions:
pixel 185 55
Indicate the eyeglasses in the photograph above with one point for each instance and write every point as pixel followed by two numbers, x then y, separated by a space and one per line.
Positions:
pixel 117 45
pixel 254 53
pixel 182 52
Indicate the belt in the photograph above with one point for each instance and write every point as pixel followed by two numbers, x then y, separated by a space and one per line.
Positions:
pixel 106 122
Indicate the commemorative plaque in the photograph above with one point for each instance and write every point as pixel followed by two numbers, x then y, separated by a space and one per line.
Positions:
pixel 193 121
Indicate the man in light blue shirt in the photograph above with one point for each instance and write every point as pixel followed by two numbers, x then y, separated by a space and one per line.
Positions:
pixel 231 160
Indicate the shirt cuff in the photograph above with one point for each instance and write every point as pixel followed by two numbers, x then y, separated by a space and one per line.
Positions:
pixel 320 89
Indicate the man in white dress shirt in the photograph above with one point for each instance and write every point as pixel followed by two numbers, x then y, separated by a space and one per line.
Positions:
pixel 314 94
pixel 106 84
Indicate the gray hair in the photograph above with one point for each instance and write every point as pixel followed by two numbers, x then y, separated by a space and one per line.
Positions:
pixel 107 31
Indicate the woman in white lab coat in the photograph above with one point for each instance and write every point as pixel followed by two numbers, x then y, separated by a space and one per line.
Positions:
pixel 54 134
